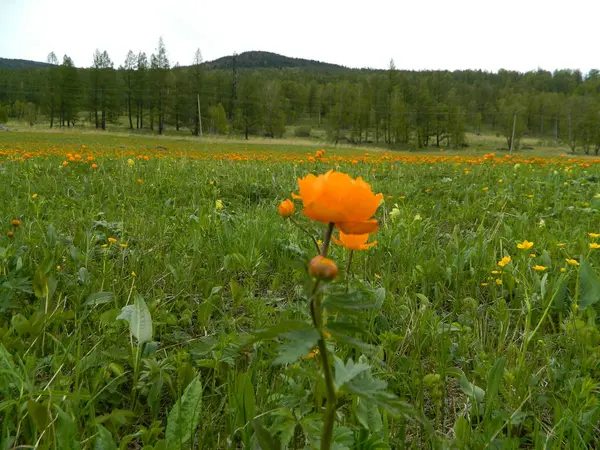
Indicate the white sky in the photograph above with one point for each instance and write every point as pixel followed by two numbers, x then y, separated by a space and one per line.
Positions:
pixel 419 34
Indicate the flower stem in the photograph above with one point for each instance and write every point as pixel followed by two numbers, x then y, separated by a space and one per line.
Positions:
pixel 327 239
pixel 307 232
pixel 331 406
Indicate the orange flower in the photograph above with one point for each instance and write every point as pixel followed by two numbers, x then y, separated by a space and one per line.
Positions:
pixel 322 268
pixel 65 163
pixel 286 208
pixel 354 241
pixel 338 198
pixel 10 234
pixel 15 223
pixel 94 166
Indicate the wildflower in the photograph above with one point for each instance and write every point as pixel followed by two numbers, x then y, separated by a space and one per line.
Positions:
pixel 354 241
pixel 378 276
pixel 394 213
pixel 65 163
pixel 530 196
pixel 525 245
pixel 104 246
pixel 532 255
pixel 542 223
pixel 427 191
pixel 484 188
pixel 484 284
pixel 34 196
pixel 312 354
pixel 402 197
pixel 594 245
pixel 83 146
pixel 133 274
pixel 516 166
pixel 112 240
pixel 389 197
pixel 560 245
pixel 94 166
pixel 572 262
pixel 15 223
pixel 322 268
pixel 418 217
pixel 539 268
pixel 123 245
pixel 59 268
pixel 336 197
pixel 499 281
pixel 500 180
pixel 286 208
pixel 219 205
pixel 563 270
pixel 90 158
pixel 504 261
pixel 10 234
pixel 594 235
pixel 495 272
pixel 130 163
pixel 140 181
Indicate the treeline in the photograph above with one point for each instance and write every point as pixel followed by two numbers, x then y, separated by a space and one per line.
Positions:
pixel 389 107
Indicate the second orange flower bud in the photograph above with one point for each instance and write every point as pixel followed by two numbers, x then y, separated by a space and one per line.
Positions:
pixel 286 208
pixel 323 268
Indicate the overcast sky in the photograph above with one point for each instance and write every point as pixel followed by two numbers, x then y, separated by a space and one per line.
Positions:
pixel 419 34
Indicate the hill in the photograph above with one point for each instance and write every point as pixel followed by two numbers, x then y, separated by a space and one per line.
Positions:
pixel 7 63
pixel 268 60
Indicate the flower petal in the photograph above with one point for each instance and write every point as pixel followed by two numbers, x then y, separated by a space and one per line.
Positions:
pixel 364 227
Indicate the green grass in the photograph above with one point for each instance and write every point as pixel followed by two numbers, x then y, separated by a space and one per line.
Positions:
pixel 482 364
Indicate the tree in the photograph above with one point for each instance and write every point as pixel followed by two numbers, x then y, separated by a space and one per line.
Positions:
pixel 272 109
pixel 140 88
pixel 159 66
pixel 511 113
pixel 128 78
pixel 52 86
pixel 196 83
pixel 218 119
pixel 68 92
pixel 248 112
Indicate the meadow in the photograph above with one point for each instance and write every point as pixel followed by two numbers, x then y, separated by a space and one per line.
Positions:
pixel 153 297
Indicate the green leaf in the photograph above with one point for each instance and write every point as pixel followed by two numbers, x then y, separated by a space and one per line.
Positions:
pixel 299 343
pixel 243 399
pixel 39 414
pixel 275 331
pixel 367 414
pixel 98 298
pixel 347 372
pixel 66 431
pixel 20 323
pixel 104 440
pixel 83 275
pixel 265 439
pixel 40 284
pixel 184 417
pixel 8 370
pixel 494 378
pixel 139 319
pixel 350 301
pixel 589 286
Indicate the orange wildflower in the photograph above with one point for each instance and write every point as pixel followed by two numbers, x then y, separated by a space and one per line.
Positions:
pixel 94 166
pixel 15 223
pixel 286 208
pixel 354 241
pixel 338 198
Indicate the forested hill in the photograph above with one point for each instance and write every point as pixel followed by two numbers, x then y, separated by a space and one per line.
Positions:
pixel 268 60
pixel 7 63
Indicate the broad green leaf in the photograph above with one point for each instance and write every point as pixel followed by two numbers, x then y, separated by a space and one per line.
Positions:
pixel 243 399
pixel 40 284
pixel 98 298
pixel 350 301
pixel 184 417
pixel 83 275
pixel 104 440
pixel 494 378
pixel 299 343
pixel 265 439
pixel 66 431
pixel 20 323
pixel 367 414
pixel 589 286
pixel 462 433
pixel 39 414
pixel 139 319
pixel 346 372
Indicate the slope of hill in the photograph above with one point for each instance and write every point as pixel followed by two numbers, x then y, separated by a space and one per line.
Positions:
pixel 7 63
pixel 268 60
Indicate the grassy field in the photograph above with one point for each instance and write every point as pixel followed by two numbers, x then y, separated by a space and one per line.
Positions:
pixel 154 298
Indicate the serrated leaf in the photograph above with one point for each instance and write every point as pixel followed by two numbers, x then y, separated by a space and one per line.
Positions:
pixel 184 417
pixel 139 319
pixel 98 298
pixel 350 301
pixel 589 286
pixel 299 343
pixel 104 440
pixel 347 372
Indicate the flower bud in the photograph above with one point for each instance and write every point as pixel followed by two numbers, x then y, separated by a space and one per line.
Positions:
pixel 286 208
pixel 323 268
pixel 15 223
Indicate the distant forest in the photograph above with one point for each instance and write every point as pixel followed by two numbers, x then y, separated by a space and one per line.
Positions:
pixel 260 93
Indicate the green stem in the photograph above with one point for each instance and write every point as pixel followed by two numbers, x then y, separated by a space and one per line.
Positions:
pixel 308 233
pixel 327 239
